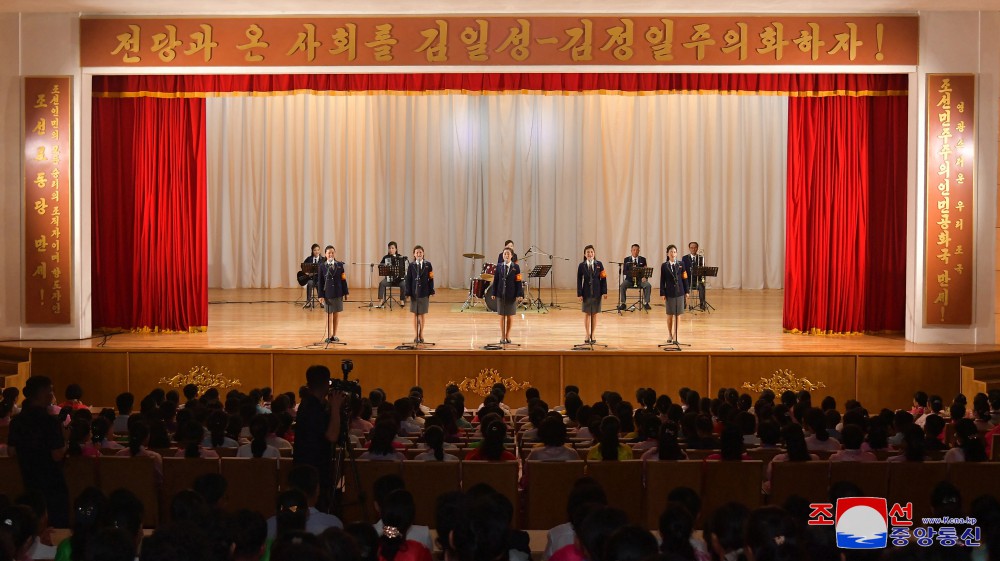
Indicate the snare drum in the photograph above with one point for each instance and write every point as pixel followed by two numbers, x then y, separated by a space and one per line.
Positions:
pixel 489 270
pixel 479 287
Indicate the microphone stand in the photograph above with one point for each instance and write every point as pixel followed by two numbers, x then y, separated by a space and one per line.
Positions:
pixel 371 269
pixel 552 279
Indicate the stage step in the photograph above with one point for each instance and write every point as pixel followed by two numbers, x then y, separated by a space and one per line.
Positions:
pixel 980 373
pixel 15 366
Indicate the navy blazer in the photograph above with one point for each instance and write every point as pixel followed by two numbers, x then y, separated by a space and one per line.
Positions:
pixel 419 282
pixel 591 285
pixel 508 287
pixel 332 279
pixel 673 280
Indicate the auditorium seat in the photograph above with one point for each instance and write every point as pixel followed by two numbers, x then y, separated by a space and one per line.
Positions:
pixel 974 479
pixel 700 454
pixel 764 454
pixel 136 474
pixel 723 482
pixel 808 480
pixel 285 465
pixel 622 482
pixel 664 477
pixel 913 482
pixel 10 478
pixel 502 476
pixel 871 477
pixel 225 452
pixel 548 488
pixel 179 474
pixel 426 481
pixel 368 472
pixel 252 484
pixel 80 473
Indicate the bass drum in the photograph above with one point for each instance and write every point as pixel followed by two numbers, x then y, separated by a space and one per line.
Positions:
pixel 491 303
pixel 479 287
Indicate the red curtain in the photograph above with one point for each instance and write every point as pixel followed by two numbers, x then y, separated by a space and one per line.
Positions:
pixel 805 85
pixel 150 265
pixel 846 214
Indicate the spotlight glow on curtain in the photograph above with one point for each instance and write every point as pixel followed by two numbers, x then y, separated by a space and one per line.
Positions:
pixel 150 267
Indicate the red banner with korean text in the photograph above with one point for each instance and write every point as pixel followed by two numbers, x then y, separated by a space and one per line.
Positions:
pixel 950 177
pixel 48 162
pixel 526 40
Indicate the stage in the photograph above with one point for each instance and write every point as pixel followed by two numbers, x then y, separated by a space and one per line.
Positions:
pixel 264 337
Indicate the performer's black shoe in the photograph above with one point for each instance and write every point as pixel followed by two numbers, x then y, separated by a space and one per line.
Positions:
pixel 621 307
pixel 647 306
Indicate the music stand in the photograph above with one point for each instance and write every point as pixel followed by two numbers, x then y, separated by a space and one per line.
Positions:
pixel 637 275
pixel 700 273
pixel 311 269
pixel 394 271
pixel 538 272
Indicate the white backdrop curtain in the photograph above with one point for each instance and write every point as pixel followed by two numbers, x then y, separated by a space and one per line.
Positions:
pixel 460 173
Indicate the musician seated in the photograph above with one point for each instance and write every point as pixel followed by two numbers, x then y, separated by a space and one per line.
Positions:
pixel 309 280
pixel 692 262
pixel 634 260
pixel 393 258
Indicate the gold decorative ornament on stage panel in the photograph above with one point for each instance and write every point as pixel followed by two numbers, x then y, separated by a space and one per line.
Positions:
pixel 202 377
pixel 483 383
pixel 781 381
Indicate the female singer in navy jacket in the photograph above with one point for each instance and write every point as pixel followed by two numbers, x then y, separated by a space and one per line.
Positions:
pixel 591 286
pixel 508 292
pixel 418 285
pixel 332 290
pixel 673 290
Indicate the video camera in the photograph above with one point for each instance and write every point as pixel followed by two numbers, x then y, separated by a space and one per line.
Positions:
pixel 349 387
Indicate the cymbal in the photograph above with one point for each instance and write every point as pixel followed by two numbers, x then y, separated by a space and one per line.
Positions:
pixel 473 256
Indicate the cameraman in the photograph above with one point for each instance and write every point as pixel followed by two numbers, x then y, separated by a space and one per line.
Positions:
pixel 317 429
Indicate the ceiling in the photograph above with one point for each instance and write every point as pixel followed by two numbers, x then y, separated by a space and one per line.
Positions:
pixel 237 7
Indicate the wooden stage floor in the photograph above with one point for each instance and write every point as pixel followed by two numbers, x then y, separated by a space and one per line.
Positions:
pixel 743 321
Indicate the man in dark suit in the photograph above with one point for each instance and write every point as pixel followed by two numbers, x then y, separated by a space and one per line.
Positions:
pixel 332 290
pixel 634 260
pixel 692 261
pixel 313 259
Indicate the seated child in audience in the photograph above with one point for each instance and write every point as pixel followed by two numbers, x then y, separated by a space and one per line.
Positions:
pixel 492 447
pixel 138 439
pixel 585 492
pixel 215 436
pixel 434 438
pixel 552 433
pixel 853 438
pixel 608 447
pixel 398 511
pixel 667 448
pixel 381 443
pixel 258 447
pixel 819 439
pixel 380 490
pixel 305 478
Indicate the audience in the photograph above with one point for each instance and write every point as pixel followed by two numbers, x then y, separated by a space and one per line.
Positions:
pixel 476 525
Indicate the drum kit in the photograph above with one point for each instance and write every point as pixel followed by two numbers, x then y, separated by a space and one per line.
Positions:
pixel 481 286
